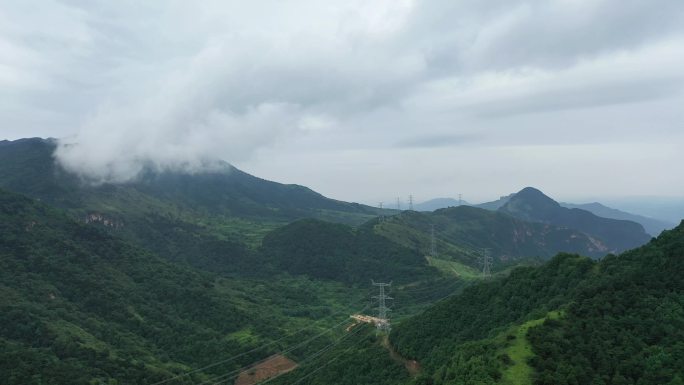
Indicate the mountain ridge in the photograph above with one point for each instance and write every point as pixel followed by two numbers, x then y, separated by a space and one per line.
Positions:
pixel 652 226
pixel 533 205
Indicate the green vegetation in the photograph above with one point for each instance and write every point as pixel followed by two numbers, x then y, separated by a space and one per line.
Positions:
pixel 78 306
pixel 340 253
pixel 626 327
pixel 611 235
pixel 358 359
pixel 175 272
pixel 483 310
pixel 461 233
pixel 519 350
pixel 213 221
pixel 454 268
pixel 621 323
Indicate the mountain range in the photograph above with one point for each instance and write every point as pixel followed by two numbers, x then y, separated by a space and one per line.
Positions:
pixel 216 220
pixel 438 203
pixel 191 278
pixel 532 205
pixel 651 225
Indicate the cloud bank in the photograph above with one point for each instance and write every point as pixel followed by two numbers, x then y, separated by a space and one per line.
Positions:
pixel 177 85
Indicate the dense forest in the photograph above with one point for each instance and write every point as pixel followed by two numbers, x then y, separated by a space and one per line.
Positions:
pixel 573 320
pixel 78 305
pixel 143 284
pixel 616 321
pixel 338 252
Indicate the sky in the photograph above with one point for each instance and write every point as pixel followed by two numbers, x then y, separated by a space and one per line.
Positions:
pixel 360 100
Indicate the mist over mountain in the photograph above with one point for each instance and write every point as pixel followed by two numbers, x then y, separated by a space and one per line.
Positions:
pixel 651 225
pixel 179 182
pixel 154 252
pixel 669 209
pixel 29 166
pixel 495 205
pixel 438 203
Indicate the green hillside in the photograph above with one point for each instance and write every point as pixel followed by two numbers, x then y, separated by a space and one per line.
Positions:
pixel 213 221
pixel 461 233
pixel 571 321
pixel 621 323
pixel 338 252
pixel 532 205
pixel 28 167
pixel 78 306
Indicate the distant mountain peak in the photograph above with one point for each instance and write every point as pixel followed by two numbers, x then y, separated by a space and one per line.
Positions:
pixel 535 195
pixel 530 204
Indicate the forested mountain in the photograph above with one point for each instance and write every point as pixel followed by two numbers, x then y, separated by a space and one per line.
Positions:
pixel 495 205
pixel 211 220
pixel 461 233
pixel 571 321
pixel 145 281
pixel 27 166
pixel 617 321
pixel 531 204
pixel 338 252
pixel 78 306
pixel 652 226
pixel 438 203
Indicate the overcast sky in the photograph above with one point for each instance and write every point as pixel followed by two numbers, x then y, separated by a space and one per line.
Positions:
pixel 359 100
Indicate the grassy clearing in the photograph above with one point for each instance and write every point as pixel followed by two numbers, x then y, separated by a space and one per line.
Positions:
pixel 454 268
pixel 520 351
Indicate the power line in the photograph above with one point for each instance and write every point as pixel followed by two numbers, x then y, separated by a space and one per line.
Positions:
pixel 323 366
pixel 226 360
pixel 384 324
pixel 288 350
pixel 319 353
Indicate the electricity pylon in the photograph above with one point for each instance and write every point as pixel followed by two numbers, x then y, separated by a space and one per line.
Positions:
pixel 486 263
pixel 383 324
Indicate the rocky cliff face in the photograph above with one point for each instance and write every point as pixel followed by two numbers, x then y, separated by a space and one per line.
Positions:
pixel 104 220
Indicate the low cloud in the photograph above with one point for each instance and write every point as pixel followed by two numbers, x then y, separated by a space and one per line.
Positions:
pixel 172 85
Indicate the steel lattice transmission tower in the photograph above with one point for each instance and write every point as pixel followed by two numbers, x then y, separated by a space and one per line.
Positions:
pixel 384 322
pixel 486 261
pixel 411 202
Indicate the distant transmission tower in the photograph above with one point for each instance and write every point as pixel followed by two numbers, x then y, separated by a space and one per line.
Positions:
pixel 432 241
pixel 411 202
pixel 382 215
pixel 460 200
pixel 486 263
pixel 398 204
pixel 383 324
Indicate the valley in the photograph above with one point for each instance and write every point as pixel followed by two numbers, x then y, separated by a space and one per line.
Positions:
pixel 228 278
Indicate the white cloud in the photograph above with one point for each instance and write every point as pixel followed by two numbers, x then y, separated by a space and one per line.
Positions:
pixel 176 85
